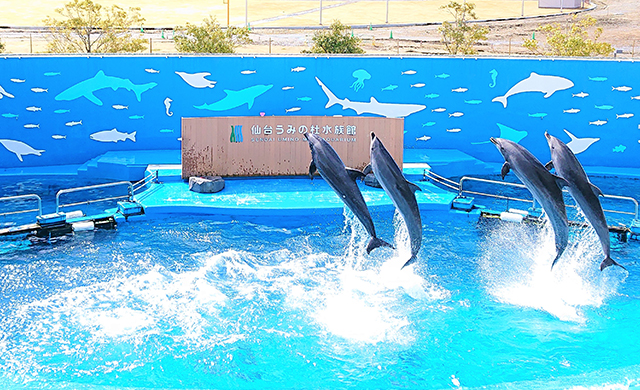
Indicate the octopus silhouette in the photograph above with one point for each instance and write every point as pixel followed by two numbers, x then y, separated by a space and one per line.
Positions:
pixel 361 75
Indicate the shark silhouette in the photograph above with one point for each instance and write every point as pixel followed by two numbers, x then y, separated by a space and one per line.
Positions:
pixel 100 81
pixel 236 98
pixel 389 110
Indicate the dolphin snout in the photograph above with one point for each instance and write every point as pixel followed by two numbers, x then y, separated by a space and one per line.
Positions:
pixel 546 134
pixel 373 136
pixel 493 141
pixel 306 135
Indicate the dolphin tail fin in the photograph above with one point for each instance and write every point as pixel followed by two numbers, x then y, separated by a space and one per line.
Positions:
pixel 501 99
pixel 375 242
pixel 609 261
pixel 409 262
pixel 555 260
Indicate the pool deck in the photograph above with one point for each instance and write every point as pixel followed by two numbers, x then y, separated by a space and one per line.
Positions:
pixel 287 196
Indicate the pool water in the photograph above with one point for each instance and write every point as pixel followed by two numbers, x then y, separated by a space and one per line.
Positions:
pixel 192 303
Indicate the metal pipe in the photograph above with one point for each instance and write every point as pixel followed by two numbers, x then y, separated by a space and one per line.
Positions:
pixel 387 18
pixel 70 190
pixel 321 12
pixel 27 196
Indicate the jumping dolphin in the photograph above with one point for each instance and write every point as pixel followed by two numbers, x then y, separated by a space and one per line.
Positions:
pixel 401 192
pixel 586 194
pixel 343 181
pixel 545 187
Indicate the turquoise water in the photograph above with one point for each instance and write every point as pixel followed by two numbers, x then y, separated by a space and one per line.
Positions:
pixel 192 303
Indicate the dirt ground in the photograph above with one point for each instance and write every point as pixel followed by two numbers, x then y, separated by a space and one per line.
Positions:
pixel 620 20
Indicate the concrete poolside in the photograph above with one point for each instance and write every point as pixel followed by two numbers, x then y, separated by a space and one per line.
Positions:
pixel 289 196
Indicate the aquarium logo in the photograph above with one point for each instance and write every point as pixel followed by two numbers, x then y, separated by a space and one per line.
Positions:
pixel 236 134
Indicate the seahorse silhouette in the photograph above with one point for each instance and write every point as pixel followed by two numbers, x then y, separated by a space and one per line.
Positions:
pixel 494 75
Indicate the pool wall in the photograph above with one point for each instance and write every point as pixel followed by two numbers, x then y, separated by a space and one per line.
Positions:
pixel 65 110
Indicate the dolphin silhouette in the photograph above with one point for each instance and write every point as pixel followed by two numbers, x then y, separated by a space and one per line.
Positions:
pixel 401 192
pixel 100 81
pixel 586 194
pixel 236 98
pixel 545 187
pixel 343 181
pixel 536 83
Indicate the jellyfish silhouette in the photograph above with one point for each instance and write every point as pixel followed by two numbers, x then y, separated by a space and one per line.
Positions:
pixel 361 75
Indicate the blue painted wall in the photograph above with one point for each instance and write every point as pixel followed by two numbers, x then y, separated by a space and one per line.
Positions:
pixel 447 102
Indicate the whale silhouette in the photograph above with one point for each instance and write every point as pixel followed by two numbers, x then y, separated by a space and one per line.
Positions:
pixel 100 81
pixel 536 83
pixel 19 148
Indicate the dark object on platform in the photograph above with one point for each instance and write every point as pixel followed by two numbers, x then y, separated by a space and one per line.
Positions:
pixel 371 181
pixel 206 184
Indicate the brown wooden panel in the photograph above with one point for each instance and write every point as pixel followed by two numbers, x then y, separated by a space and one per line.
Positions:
pixel 275 145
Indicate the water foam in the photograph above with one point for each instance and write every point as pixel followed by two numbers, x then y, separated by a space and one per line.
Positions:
pixel 365 301
pixel 516 264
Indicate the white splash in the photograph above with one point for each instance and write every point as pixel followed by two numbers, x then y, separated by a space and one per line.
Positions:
pixel 516 264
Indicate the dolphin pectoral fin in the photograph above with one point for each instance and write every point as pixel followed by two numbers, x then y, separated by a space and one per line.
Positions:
pixel 549 165
pixel 354 174
pixel 375 242
pixel 560 181
pixel 409 262
pixel 367 170
pixel 505 169
pixel 608 262
pixel 312 169
pixel 596 190
pixel 413 187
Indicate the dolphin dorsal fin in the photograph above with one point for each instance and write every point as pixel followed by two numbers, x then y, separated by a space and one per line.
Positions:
pixel 596 190
pixel 505 169
pixel 560 181
pixel 413 187
pixel 533 74
pixel 373 100
pixel 354 174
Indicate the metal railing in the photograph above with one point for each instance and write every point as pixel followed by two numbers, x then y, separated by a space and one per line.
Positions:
pixel 27 196
pixel 461 191
pixel 77 189
pixel 151 177
pixel 467 178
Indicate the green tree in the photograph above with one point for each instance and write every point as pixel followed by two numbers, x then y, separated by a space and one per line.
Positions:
pixel 458 36
pixel 571 39
pixel 87 27
pixel 338 39
pixel 210 37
